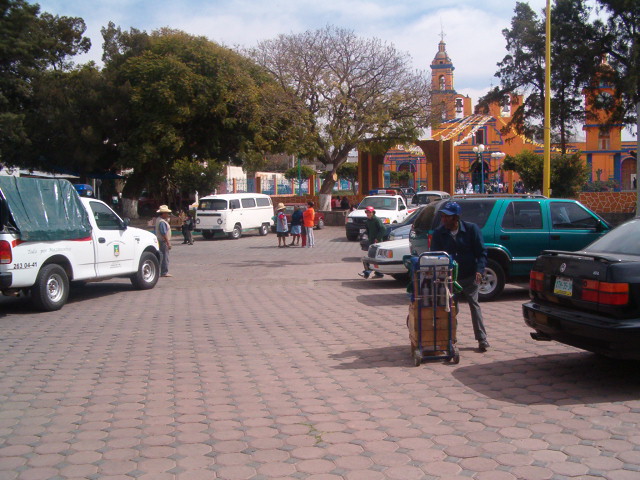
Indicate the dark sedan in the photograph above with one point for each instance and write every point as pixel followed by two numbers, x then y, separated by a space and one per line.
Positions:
pixel 590 299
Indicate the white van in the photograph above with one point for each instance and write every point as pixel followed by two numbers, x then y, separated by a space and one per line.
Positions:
pixel 233 213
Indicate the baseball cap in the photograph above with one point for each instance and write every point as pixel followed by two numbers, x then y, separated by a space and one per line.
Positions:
pixel 451 208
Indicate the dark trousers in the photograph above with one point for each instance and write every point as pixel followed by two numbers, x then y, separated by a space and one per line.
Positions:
pixel 470 294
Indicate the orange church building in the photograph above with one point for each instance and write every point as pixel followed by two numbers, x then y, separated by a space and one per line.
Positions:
pixel 478 146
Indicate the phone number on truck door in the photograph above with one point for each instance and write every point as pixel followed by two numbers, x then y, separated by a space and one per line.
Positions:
pixel 21 266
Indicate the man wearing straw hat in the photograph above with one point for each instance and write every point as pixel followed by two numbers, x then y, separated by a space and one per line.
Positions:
pixel 163 232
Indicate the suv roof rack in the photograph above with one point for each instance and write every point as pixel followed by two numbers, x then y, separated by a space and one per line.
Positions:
pixel 498 195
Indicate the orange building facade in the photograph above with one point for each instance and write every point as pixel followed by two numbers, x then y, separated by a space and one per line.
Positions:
pixel 460 130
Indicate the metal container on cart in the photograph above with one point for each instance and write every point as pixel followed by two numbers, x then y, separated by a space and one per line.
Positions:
pixel 432 311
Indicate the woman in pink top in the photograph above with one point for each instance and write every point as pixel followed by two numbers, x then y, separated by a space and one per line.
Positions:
pixel 308 220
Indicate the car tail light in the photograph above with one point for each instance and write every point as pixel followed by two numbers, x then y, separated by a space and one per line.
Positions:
pixel 536 281
pixel 5 252
pixel 605 293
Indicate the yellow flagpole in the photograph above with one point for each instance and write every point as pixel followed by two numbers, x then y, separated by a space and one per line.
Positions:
pixel 546 169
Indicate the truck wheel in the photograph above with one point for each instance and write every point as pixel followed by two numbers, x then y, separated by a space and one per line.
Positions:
pixel 352 237
pixel 236 233
pixel 493 281
pixel 264 229
pixel 207 234
pixel 51 290
pixel 148 272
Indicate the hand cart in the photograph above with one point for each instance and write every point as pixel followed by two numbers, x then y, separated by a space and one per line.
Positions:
pixel 432 312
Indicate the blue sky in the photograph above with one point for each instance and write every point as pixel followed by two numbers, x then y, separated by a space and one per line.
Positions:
pixel 472 28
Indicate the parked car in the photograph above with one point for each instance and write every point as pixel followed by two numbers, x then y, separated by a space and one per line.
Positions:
pixel 391 207
pixel 427 196
pixel 318 218
pixel 515 229
pixel 590 299
pixel 386 258
pixel 395 231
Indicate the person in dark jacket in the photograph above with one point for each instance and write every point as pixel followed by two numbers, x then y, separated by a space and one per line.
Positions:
pixel 375 231
pixel 463 241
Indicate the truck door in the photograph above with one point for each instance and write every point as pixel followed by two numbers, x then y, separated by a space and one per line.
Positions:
pixel 115 246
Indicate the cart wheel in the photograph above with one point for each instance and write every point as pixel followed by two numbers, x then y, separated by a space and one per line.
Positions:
pixel 417 358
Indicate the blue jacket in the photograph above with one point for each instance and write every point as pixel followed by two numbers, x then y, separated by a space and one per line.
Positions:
pixel 467 249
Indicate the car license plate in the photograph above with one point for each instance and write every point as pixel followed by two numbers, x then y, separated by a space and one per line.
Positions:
pixel 563 286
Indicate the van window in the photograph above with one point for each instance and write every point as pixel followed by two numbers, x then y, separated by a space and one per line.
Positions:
pixel 248 202
pixel 477 211
pixel 233 204
pixel 379 203
pixel 522 215
pixel 213 204
pixel 424 220
pixel 263 202
pixel 571 215
pixel 105 218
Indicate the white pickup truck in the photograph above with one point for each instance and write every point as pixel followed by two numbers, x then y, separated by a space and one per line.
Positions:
pixel 390 208
pixel 50 236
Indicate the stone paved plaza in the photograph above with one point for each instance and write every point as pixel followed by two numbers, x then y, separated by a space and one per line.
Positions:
pixel 255 362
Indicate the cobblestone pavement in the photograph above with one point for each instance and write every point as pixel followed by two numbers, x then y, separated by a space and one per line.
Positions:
pixel 255 362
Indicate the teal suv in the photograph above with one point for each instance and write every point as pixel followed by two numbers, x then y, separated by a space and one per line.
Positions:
pixel 515 229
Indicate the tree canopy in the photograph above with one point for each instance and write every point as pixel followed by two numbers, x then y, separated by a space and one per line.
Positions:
pixel 347 92
pixel 574 45
pixel 568 172
pixel 185 98
pixel 31 44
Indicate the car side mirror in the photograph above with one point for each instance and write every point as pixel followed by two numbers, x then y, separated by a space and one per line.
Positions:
pixel 402 207
pixel 125 223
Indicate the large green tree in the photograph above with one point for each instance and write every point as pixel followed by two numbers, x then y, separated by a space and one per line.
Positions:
pixel 621 44
pixel 568 172
pixel 349 92
pixel 187 98
pixel 574 46
pixel 31 45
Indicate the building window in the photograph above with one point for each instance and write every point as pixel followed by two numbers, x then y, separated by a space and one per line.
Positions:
pixel 479 137
pixel 442 85
pixel 506 106
pixel 604 142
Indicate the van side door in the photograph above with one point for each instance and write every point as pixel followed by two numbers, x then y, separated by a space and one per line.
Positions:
pixel 115 247
pixel 573 227
pixel 248 213
pixel 522 231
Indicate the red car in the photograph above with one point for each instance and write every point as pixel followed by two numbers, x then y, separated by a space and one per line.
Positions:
pixel 318 220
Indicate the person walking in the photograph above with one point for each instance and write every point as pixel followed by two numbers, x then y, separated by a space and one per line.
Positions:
pixel 187 228
pixel 344 203
pixel 375 232
pixel 296 225
pixel 463 241
pixel 163 232
pixel 308 220
pixel 282 228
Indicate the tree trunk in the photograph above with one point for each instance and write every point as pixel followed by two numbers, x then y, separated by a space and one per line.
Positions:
pixel 324 202
pixel 130 208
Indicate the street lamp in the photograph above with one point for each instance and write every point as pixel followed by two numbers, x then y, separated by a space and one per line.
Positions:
pixel 478 151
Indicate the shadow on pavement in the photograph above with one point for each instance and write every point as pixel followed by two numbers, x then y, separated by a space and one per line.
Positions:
pixel 352 259
pixel 556 379
pixel 77 293
pixel 393 356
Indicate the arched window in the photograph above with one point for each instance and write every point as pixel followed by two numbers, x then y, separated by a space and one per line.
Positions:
pixel 442 83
